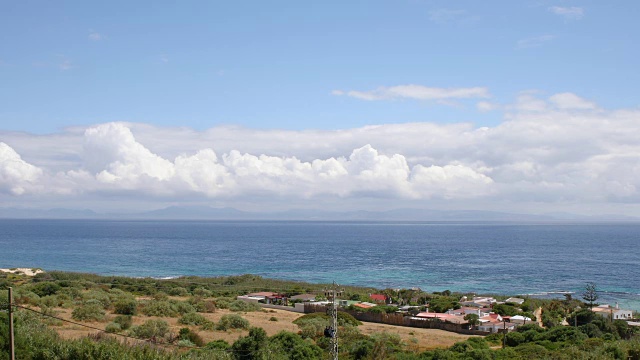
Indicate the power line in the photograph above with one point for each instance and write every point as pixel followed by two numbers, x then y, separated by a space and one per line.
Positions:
pixel 127 336
pixel 92 327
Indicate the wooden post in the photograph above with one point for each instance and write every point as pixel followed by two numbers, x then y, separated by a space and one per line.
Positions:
pixel 12 354
pixel 504 334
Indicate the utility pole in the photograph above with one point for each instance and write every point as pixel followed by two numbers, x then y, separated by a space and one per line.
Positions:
pixel 504 333
pixel 12 353
pixel 334 322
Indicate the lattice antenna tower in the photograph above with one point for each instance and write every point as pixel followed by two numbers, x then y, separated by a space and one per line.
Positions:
pixel 332 331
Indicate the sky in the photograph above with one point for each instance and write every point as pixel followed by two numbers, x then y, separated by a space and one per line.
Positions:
pixel 518 106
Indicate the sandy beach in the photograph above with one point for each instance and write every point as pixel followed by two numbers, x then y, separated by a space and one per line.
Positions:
pixel 24 271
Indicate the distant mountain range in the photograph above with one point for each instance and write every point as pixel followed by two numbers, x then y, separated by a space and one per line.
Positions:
pixel 210 213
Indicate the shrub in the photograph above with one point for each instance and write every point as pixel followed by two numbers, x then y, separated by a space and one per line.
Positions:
pixel 292 346
pixel 347 319
pixel 202 292
pixel 159 308
pixel 49 317
pixel 126 307
pixel 185 343
pixel 113 328
pixel 98 295
pixel 192 337
pixel 203 306
pixel 343 319
pixel 223 302
pixel 49 301
pixel 88 312
pixel 232 321
pixel 384 309
pixel 208 326
pixel 178 291
pixel 182 307
pixel 273 318
pixel 192 318
pixel 125 321
pixel 46 288
pixel 239 305
pixel 151 329
pixel 217 345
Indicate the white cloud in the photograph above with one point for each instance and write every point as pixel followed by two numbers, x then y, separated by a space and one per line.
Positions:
pixel 164 58
pixel 95 36
pixel 528 102
pixel 417 92
pixel 571 101
pixel 113 148
pixel 572 13
pixel 535 41
pixel 558 149
pixel 16 175
pixel 485 106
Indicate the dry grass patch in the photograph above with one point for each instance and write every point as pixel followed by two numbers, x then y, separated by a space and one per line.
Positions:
pixel 426 338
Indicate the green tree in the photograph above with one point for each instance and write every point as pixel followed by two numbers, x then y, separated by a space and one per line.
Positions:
pixel 590 294
pixel 252 346
pixel 473 319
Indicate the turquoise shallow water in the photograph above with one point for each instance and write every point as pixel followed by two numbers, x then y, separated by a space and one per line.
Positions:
pixel 502 258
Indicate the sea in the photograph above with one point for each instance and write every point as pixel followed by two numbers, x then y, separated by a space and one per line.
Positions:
pixel 543 260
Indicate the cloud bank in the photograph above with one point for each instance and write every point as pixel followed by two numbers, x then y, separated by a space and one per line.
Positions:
pixel 416 92
pixel 561 149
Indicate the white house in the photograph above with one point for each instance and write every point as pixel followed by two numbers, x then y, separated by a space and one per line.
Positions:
pixel 515 300
pixel 519 319
pixel 613 313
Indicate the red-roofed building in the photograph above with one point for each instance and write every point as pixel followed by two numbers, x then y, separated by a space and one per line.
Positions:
pixel 380 298
pixel 456 319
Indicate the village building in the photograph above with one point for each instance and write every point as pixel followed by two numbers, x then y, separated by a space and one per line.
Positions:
pixel 515 300
pixel 613 313
pixel 380 298
pixel 303 297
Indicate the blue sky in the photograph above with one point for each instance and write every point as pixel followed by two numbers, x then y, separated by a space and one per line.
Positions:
pixel 275 64
pixel 522 106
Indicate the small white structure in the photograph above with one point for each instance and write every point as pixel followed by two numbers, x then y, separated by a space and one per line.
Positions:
pixel 480 302
pixel 519 319
pixel 613 313
pixel 515 300
pixel 251 299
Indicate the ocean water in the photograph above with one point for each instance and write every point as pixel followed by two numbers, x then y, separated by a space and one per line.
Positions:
pixel 498 258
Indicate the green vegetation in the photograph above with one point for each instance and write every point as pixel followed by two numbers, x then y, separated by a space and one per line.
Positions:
pixel 232 321
pixel 117 301
pixel 89 311
pixel 192 318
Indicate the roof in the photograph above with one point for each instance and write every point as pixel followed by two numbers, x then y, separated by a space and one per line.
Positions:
pixel 378 297
pixel 263 293
pixel 515 300
pixel 303 297
pixel 446 317
pixel 607 309
pixel 429 315
pixel 494 318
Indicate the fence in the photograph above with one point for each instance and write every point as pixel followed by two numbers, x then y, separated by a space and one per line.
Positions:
pixel 400 320
pixel 282 307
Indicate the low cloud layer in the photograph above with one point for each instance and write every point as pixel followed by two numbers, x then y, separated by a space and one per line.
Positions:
pixel 561 149
pixel 416 92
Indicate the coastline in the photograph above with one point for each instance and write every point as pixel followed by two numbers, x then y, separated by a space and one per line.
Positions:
pixel 627 300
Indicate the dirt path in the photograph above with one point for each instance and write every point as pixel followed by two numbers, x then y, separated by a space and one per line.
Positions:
pixel 538 313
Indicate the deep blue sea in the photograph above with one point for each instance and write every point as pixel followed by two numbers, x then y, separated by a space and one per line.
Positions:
pixel 498 258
